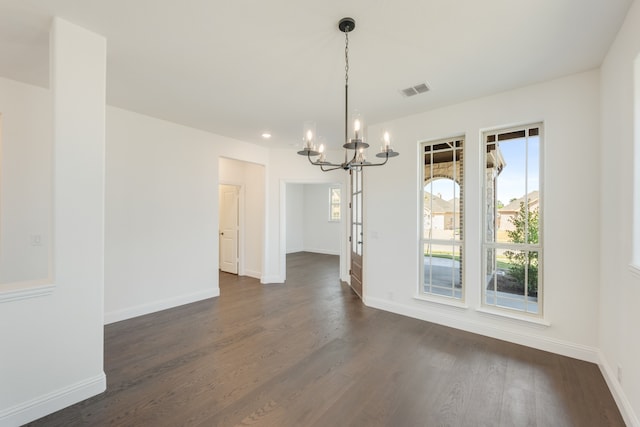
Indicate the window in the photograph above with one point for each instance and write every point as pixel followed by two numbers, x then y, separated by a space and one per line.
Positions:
pixel 512 244
pixel 442 208
pixel 334 204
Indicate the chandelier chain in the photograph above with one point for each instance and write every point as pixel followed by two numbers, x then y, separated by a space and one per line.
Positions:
pixel 346 58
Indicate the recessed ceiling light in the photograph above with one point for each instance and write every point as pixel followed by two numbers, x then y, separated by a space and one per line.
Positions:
pixel 266 135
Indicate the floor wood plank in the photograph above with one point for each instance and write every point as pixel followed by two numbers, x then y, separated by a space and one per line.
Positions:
pixel 309 353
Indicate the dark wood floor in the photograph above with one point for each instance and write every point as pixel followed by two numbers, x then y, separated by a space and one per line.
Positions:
pixel 308 353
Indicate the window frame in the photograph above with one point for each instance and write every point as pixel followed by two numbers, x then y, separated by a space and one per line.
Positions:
pixel 529 247
pixel 333 205
pixel 458 244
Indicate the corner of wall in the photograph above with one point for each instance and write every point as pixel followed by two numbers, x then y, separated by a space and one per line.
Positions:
pixel 625 407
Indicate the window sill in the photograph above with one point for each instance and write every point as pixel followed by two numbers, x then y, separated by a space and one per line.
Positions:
pixel 635 270
pixel 514 316
pixel 25 290
pixel 442 301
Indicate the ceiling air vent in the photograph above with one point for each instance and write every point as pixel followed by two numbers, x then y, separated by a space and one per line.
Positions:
pixel 415 90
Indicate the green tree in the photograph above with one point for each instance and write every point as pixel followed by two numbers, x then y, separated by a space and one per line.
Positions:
pixel 525 231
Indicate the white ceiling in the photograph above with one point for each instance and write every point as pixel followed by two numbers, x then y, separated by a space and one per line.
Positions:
pixel 237 68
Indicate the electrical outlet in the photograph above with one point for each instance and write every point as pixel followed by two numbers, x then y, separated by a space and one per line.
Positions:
pixel 35 240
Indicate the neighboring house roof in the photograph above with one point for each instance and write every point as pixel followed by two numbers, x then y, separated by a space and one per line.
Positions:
pixel 514 206
pixel 438 205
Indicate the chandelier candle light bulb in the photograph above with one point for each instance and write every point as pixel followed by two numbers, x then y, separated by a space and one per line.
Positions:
pixel 358 144
pixel 309 140
pixel 322 155
pixel 386 142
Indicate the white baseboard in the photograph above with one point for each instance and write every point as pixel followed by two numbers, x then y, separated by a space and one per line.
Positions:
pixel 152 307
pixel 52 402
pixel 564 348
pixel 626 410
pixel 253 273
pixel 265 280
pixel 322 251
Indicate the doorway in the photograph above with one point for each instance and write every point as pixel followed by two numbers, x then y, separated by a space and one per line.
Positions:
pixel 249 181
pixel 311 222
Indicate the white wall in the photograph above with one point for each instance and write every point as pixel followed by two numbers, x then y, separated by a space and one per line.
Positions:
pixel 307 221
pixel 321 235
pixel 569 108
pixel 250 177
pixel 161 249
pixel 295 217
pixel 619 287
pixel 52 344
pixel 161 215
pixel 25 182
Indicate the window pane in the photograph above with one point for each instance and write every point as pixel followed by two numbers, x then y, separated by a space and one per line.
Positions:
pixel 442 218
pixel 506 288
pixel 335 212
pixel 512 210
pixel 442 270
pixel 335 195
pixel 358 239
pixel 334 207
pixel 442 209
pixel 511 185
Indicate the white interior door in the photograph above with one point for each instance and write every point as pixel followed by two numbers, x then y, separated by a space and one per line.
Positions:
pixel 229 196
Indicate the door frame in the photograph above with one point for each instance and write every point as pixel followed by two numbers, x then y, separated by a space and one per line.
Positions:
pixel 356 240
pixel 345 222
pixel 241 228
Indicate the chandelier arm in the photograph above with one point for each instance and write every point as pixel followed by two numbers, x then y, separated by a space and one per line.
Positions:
pixel 353 159
pixel 332 168
pixel 309 158
pixel 322 165
pixel 378 164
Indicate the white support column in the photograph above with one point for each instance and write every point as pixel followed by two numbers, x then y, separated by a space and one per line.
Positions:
pixel 52 345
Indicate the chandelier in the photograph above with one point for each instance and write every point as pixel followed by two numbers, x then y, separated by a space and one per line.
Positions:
pixel 357 143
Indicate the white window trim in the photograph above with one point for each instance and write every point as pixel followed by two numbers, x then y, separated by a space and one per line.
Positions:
pixel 441 300
pixel 331 188
pixel 24 290
pixel 421 294
pixel 538 318
pixel 519 316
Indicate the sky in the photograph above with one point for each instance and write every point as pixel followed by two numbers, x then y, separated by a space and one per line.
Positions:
pixel 511 181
